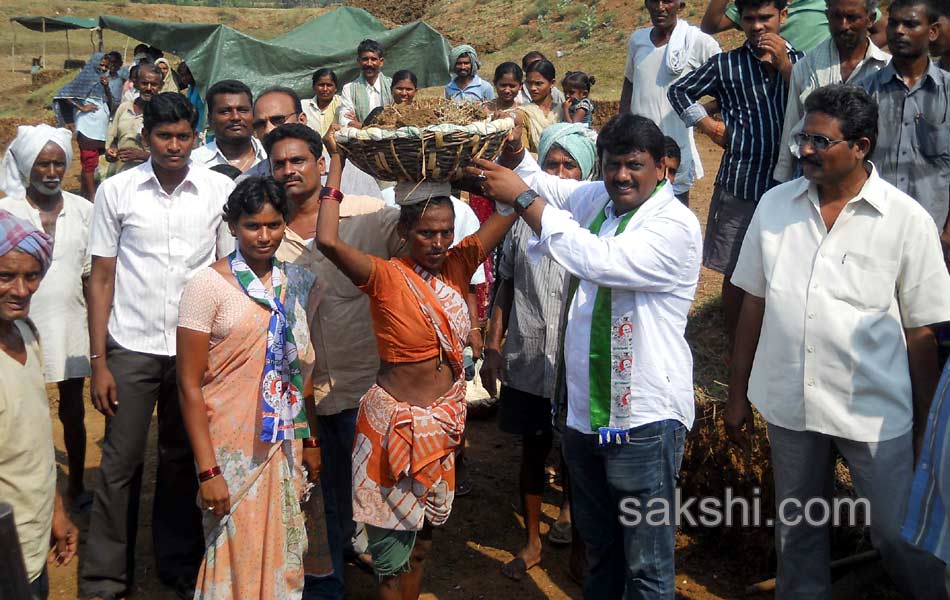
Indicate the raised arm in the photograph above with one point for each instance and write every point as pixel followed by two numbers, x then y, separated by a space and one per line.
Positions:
pixel 715 19
pixel 355 264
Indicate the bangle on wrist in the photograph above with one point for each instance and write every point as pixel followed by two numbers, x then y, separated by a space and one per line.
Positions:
pixel 331 193
pixel 311 442
pixel 210 474
pixel 95 356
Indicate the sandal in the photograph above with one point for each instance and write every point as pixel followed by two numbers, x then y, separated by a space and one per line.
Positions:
pixel 560 534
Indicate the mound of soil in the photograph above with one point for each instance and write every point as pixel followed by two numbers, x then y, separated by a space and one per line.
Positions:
pixel 397 11
pixel 8 127
pixel 38 80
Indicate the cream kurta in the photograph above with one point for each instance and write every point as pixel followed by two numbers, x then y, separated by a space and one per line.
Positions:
pixel 59 308
pixel 27 465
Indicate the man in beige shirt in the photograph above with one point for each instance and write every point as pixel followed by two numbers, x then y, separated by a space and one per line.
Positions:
pixel 124 138
pixel 27 460
pixel 343 356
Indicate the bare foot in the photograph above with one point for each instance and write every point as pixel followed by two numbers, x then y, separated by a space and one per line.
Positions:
pixel 517 567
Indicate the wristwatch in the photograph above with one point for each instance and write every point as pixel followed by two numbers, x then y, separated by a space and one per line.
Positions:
pixel 524 200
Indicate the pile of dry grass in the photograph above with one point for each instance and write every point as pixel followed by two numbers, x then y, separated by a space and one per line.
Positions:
pixel 430 111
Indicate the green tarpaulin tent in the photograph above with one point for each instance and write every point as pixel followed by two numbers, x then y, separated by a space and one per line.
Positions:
pixel 216 52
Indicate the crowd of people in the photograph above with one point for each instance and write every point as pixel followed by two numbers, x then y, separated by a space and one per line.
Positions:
pixel 306 331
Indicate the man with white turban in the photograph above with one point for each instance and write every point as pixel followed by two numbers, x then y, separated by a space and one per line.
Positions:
pixel 467 86
pixel 31 174
pixel 26 434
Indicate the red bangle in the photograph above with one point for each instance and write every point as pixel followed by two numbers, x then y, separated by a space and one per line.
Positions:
pixel 332 193
pixel 209 474
pixel 311 443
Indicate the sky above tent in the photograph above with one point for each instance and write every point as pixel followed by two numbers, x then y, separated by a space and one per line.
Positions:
pixel 216 52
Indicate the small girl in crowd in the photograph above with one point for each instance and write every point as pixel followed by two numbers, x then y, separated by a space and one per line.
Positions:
pixel 508 81
pixel 404 87
pixel 577 107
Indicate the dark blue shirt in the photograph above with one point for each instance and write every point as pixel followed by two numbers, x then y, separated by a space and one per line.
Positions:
pixel 752 98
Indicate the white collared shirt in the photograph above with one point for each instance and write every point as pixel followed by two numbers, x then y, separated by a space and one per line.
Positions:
pixel 652 269
pixel 348 97
pixel 832 357
pixel 820 67
pixel 159 241
pixel 209 155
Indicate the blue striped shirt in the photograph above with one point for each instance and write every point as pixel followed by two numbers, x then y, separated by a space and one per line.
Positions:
pixel 752 99
pixel 926 524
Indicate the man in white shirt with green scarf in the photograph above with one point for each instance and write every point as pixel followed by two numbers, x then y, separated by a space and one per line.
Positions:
pixel 633 251
pixel 368 91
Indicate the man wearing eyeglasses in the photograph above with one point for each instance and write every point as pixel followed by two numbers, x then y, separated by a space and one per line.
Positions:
pixel 844 280
pixel 231 118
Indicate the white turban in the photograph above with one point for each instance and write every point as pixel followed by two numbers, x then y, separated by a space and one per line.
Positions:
pixel 22 152
pixel 411 192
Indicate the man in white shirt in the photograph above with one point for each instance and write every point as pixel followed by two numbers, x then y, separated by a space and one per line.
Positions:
pixel 368 91
pixel 847 56
pixel 633 251
pixel 153 227
pixel 844 276
pixel 40 156
pixel 231 117
pixel 658 56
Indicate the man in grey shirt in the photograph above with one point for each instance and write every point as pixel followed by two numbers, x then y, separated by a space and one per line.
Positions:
pixel 913 96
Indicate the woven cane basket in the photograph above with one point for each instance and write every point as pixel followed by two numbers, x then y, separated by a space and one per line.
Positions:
pixel 434 153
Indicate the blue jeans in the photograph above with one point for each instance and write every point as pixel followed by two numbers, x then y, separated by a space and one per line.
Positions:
pixel 626 562
pixel 336 478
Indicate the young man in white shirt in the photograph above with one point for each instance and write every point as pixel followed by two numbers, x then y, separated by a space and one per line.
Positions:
pixel 368 91
pixel 153 227
pixel 847 56
pixel 231 117
pixel 633 251
pixel 657 56
pixel 844 277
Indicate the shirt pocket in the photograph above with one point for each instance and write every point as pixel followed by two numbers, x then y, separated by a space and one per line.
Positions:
pixel 865 282
pixel 934 141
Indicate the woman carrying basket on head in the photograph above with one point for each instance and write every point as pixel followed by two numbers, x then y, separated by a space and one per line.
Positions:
pixel 412 420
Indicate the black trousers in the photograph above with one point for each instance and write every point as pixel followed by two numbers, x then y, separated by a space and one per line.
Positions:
pixel 108 563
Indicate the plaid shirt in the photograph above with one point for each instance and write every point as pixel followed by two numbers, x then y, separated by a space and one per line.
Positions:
pixel 752 99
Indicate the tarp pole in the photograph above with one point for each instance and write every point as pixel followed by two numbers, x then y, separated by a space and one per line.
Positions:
pixel 99 32
pixel 13 49
pixel 68 53
pixel 43 19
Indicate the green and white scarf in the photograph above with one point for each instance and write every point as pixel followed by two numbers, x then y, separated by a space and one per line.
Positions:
pixel 611 351
pixel 361 103
pixel 282 407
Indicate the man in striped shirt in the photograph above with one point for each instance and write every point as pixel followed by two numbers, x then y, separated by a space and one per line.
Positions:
pixel 750 85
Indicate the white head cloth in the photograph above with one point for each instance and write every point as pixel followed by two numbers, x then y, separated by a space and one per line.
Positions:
pixel 412 192
pixel 21 154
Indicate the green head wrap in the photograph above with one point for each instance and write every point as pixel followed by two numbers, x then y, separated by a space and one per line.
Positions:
pixel 462 50
pixel 576 139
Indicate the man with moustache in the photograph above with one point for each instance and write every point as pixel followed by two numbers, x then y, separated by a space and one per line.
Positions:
pixel 152 228
pixel 231 118
pixel 31 175
pixel 844 279
pixel 848 56
pixel 633 252
pixel 368 91
pixel 467 86
pixel 658 56
pixel 124 138
pixel 913 97
pixel 750 84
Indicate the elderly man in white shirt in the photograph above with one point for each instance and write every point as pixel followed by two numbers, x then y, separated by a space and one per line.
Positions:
pixel 848 56
pixel 657 57
pixel 844 276
pixel 633 253
pixel 153 227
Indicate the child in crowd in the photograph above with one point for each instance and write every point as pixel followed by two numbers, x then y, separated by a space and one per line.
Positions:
pixel 577 107
pixel 405 85
pixel 508 81
pixel 673 158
